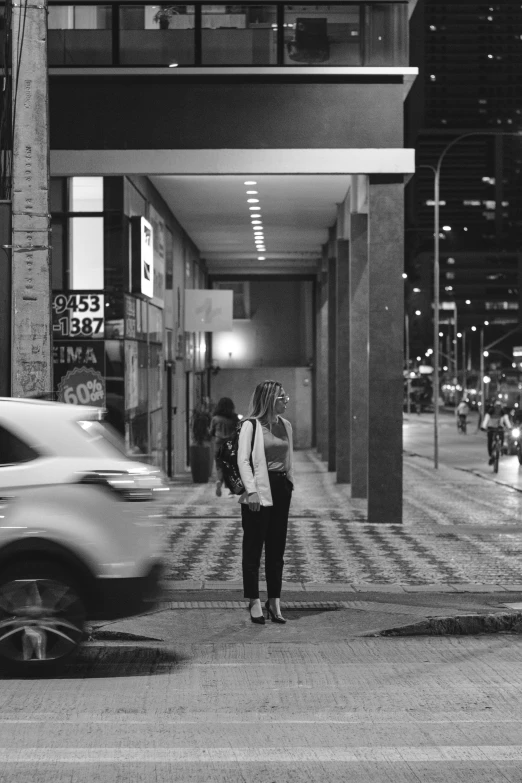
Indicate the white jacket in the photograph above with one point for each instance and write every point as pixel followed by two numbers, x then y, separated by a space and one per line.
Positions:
pixel 259 481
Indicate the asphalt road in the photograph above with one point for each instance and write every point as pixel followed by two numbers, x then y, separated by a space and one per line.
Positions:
pixel 467 452
pixel 232 702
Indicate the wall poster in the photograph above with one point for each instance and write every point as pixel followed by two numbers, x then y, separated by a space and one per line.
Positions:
pixel 79 372
pixel 80 316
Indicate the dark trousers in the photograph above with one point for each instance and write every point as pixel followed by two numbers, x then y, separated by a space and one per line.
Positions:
pixel 267 526
pixel 491 435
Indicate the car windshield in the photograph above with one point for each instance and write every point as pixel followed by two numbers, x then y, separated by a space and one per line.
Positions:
pixel 106 437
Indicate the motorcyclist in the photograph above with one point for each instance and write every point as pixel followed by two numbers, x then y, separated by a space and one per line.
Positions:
pixel 462 412
pixel 495 419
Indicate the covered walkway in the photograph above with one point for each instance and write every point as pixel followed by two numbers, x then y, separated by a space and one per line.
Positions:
pixel 458 530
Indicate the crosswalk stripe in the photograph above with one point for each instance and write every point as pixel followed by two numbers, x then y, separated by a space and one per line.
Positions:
pixel 439 753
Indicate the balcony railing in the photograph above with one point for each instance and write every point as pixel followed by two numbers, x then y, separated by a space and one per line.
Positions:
pixel 127 34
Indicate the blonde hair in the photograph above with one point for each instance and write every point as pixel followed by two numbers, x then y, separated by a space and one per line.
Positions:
pixel 263 400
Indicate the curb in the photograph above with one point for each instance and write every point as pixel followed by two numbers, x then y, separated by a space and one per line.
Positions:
pixel 471 471
pixel 459 625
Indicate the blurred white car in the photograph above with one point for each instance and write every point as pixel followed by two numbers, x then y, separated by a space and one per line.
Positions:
pixel 82 530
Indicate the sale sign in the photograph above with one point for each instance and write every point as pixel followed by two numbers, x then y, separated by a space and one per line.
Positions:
pixel 82 386
pixel 79 372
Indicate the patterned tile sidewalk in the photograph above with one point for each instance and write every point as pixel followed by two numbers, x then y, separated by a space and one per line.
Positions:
pixel 458 530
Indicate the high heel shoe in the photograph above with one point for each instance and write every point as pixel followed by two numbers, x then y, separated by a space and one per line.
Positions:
pixel 275 618
pixel 258 620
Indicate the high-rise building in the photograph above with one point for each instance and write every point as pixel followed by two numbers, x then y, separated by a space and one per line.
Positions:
pixel 470 60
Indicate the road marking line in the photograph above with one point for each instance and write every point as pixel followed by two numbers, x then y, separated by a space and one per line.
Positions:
pixel 153 721
pixel 450 753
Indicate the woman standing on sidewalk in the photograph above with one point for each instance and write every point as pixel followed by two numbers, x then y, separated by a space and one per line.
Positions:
pixel 265 465
pixel 222 426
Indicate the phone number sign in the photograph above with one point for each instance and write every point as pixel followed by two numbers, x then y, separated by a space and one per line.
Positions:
pixel 78 315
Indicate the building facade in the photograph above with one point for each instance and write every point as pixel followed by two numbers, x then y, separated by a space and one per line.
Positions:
pixel 182 107
pixel 470 76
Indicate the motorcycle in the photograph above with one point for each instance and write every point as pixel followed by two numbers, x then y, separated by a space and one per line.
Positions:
pixel 514 443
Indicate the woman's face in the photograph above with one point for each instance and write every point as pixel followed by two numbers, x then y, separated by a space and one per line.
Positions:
pixel 281 402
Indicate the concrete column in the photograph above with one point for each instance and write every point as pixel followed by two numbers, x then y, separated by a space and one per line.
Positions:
pixel 31 298
pixel 332 362
pixel 343 415
pixel 386 318
pixel 359 392
pixel 321 384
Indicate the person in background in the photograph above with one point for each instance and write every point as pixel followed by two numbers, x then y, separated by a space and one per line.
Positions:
pixel 265 466
pixel 462 411
pixel 495 419
pixel 222 426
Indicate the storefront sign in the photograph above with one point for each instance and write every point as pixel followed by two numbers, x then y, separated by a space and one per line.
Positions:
pixel 158 235
pixel 142 257
pixel 79 372
pixel 208 310
pixel 78 316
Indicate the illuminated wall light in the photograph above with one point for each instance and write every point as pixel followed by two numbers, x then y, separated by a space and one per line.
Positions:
pixel 254 208
pixel 404 275
pixel 252 201
pixel 250 182
pixel 227 345
pixel 446 228
pixel 261 258
pixel 252 192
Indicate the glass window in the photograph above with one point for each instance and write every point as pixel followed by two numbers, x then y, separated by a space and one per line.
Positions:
pixel 322 34
pixel 386 34
pixel 241 298
pixel 80 35
pixel 86 253
pixel 14 451
pixel 155 325
pixel 86 194
pixel 108 438
pixel 239 35
pixel 157 35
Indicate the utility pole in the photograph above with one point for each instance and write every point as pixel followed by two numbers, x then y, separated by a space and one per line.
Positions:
pixel 408 379
pixel 31 287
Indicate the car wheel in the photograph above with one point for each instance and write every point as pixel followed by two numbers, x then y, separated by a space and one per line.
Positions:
pixel 42 618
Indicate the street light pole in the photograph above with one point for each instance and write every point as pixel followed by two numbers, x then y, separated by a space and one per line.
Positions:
pixel 436 304
pixel 456 348
pixel 464 368
pixel 482 401
pixel 408 380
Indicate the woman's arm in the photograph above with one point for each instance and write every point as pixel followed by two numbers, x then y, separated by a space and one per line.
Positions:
pixel 244 452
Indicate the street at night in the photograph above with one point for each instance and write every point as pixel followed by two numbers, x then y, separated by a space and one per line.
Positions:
pixel 260 355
